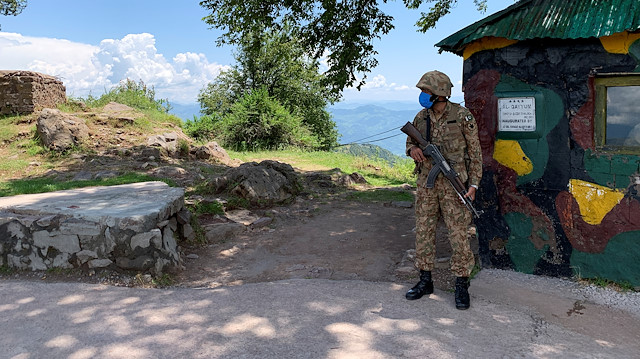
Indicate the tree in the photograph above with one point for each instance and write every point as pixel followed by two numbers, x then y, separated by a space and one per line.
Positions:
pixel 343 30
pixel 276 62
pixel 12 7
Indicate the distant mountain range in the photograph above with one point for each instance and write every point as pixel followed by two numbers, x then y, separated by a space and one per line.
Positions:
pixel 372 124
pixel 370 151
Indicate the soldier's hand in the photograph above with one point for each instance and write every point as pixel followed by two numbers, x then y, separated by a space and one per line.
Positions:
pixel 471 193
pixel 416 154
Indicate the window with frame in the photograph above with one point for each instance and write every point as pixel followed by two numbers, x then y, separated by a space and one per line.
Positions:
pixel 617 115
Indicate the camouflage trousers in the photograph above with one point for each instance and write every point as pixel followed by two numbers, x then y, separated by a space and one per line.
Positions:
pixel 430 203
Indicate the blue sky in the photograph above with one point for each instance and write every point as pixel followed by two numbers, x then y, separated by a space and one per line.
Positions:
pixel 92 45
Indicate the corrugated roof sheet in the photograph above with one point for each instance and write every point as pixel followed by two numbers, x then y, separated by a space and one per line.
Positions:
pixel 560 19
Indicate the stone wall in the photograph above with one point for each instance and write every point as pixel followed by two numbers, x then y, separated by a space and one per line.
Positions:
pixel 23 92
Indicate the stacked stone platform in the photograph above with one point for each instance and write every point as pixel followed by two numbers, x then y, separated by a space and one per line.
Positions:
pixel 132 227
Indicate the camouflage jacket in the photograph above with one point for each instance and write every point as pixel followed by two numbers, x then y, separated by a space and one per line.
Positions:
pixel 456 135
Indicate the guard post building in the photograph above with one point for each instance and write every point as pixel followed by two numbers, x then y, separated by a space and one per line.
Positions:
pixel 555 88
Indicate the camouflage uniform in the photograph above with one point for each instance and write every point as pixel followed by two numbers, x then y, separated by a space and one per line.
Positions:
pixel 456 134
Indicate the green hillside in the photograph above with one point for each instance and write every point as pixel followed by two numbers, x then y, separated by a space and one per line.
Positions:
pixel 370 151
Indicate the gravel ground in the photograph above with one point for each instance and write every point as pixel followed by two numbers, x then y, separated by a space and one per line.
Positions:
pixel 628 301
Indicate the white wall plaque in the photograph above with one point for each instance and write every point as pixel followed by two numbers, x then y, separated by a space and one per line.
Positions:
pixel 517 114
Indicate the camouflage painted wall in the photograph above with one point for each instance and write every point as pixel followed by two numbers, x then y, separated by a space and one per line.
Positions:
pixel 553 204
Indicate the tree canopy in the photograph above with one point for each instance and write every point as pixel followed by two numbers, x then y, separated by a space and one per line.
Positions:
pixel 276 66
pixel 343 31
pixel 12 7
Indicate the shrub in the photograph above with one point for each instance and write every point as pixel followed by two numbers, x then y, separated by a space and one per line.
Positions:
pixel 203 128
pixel 259 122
pixel 130 93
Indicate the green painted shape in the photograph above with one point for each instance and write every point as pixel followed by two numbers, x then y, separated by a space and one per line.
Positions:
pixel 624 165
pixel 612 171
pixel 595 163
pixel 537 150
pixel 522 252
pixel 599 168
pixel 618 262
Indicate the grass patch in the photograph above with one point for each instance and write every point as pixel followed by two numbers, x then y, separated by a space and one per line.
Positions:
pixel 201 188
pixel 134 94
pixel 7 129
pixel 41 185
pixel 381 195
pixel 165 280
pixel 33 147
pixel 235 202
pixel 14 165
pixel 200 236
pixel 208 208
pixel 60 271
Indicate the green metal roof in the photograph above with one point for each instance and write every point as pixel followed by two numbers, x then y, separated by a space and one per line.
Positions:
pixel 559 19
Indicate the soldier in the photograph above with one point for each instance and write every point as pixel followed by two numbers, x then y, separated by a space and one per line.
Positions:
pixel 453 129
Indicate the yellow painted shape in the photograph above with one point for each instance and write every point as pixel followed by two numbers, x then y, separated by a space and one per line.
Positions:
pixel 595 201
pixel 620 42
pixel 486 43
pixel 510 154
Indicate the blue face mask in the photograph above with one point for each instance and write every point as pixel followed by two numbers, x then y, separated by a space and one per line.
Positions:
pixel 425 100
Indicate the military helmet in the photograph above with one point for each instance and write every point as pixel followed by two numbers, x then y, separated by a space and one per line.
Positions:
pixel 436 82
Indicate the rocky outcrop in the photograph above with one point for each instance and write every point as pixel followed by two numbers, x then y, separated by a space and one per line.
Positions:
pixel 59 131
pixel 24 92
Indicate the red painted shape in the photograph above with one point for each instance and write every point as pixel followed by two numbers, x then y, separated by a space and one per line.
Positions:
pixel 480 99
pixel 511 200
pixel 589 238
pixel 583 121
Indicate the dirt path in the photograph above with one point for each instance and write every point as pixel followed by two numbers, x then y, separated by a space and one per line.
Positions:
pixel 336 239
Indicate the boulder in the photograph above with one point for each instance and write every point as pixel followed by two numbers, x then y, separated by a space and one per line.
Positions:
pixel 352 179
pixel 264 182
pixel 168 142
pixel 329 180
pixel 212 151
pixel 60 131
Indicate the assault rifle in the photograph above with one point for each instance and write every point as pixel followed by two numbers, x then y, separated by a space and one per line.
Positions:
pixel 440 164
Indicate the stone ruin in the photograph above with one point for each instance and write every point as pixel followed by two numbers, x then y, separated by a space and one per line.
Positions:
pixel 24 92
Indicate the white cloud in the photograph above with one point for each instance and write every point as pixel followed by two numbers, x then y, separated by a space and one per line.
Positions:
pixel 377 87
pixel 91 69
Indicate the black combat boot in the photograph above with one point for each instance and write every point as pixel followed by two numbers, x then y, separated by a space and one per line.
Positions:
pixel 462 293
pixel 424 286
